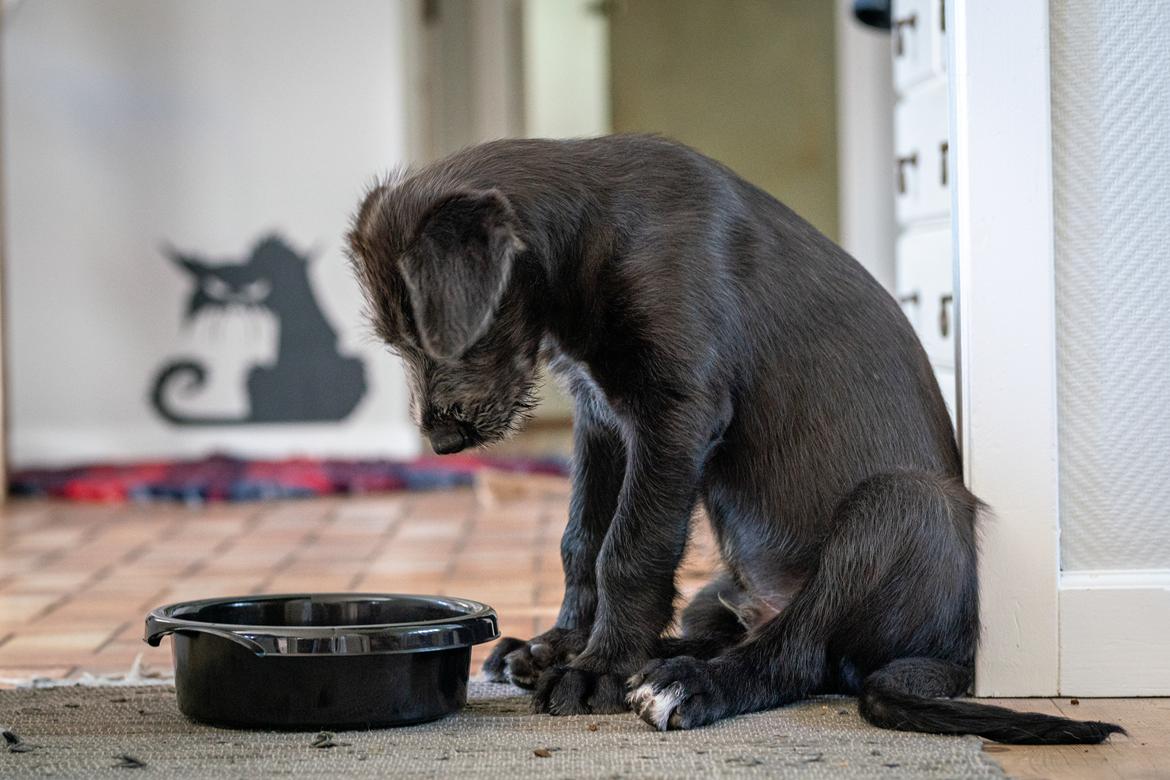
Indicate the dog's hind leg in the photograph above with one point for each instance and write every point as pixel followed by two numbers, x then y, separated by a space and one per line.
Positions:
pixel 892 601
pixel 709 623
pixel 895 578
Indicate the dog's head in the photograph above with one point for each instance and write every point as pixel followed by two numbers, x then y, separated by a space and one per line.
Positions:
pixel 443 290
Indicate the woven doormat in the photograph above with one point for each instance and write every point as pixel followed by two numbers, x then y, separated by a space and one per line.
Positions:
pixel 93 732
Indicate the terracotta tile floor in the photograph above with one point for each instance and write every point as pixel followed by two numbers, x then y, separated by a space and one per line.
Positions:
pixel 77 580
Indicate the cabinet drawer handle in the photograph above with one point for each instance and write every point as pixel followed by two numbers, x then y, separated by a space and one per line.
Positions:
pixel 902 162
pixel 910 21
pixel 943 148
pixel 944 314
pixel 908 298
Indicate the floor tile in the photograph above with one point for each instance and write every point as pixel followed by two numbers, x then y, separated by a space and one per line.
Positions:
pixel 43 582
pixel 17 609
pixel 60 647
pixel 102 568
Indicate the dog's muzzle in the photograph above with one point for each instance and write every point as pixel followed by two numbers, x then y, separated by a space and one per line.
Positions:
pixel 447 439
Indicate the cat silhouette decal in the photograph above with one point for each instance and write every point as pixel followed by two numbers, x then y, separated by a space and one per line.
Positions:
pixel 310 381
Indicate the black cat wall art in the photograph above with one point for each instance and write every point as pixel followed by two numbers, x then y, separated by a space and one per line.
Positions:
pixel 310 381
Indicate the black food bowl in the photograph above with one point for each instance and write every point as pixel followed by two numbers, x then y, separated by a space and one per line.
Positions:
pixel 333 660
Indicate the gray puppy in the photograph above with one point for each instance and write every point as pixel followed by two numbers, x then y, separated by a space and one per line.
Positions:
pixel 719 349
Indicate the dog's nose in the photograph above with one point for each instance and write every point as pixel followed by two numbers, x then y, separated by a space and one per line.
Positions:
pixel 447 439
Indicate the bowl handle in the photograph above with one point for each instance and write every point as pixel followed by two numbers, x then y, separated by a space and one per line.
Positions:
pixel 157 627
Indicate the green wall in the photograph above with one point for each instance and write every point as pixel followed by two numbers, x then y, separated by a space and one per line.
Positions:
pixel 748 82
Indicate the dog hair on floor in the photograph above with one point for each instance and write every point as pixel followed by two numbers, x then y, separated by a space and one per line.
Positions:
pixel 719 349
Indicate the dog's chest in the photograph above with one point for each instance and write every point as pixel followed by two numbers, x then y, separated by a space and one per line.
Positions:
pixel 576 379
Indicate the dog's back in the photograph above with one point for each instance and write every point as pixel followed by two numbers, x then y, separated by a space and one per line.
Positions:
pixel 654 241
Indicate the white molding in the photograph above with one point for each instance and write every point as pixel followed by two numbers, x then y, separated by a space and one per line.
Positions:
pixel 1114 579
pixel 69 446
pixel 1115 633
pixel 1002 202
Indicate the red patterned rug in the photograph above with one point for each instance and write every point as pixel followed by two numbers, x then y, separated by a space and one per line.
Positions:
pixel 221 478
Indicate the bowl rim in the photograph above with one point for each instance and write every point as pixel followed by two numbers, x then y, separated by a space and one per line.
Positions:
pixel 476 623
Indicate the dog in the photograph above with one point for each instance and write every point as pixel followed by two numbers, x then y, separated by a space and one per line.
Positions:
pixel 719 349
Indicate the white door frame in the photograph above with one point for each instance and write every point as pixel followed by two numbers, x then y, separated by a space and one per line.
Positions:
pixel 1003 238
pixel 465 68
pixel 1045 632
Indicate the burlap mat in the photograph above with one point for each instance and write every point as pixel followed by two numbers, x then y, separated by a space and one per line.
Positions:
pixel 93 732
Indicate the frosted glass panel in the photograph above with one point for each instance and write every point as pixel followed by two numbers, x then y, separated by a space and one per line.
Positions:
pixel 1111 167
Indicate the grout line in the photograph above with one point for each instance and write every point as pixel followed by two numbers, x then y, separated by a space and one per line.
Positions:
pixel 52 606
pixel 109 639
pixel 156 597
pixel 286 562
pixel 96 577
pixel 135 552
pixel 224 545
pixel 382 542
pixel 469 522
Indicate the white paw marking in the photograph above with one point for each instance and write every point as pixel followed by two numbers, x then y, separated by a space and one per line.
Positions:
pixel 656 707
pixel 638 697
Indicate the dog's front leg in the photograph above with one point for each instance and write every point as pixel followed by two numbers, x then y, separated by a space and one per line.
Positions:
pixel 599 466
pixel 635 576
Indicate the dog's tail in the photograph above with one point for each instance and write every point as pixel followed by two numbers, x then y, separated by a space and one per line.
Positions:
pixel 892 698
pixel 196 377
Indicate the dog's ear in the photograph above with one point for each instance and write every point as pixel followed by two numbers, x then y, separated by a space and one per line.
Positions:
pixel 457 268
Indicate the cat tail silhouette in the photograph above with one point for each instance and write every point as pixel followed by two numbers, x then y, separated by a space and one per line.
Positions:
pixel 171 376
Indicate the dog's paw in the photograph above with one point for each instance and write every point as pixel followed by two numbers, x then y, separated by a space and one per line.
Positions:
pixel 676 693
pixel 495 668
pixel 563 690
pixel 521 663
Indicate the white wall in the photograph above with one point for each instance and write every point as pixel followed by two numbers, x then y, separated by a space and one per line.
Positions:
pixel 1111 182
pixel 128 123
pixel 865 143
pixel 1111 187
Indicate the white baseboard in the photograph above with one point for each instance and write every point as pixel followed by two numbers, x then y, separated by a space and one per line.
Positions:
pixel 1115 633
pixel 51 447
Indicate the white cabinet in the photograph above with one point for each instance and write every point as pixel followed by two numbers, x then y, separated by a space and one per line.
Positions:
pixel 919 41
pixel 923 179
pixel 926 290
pixel 921 148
